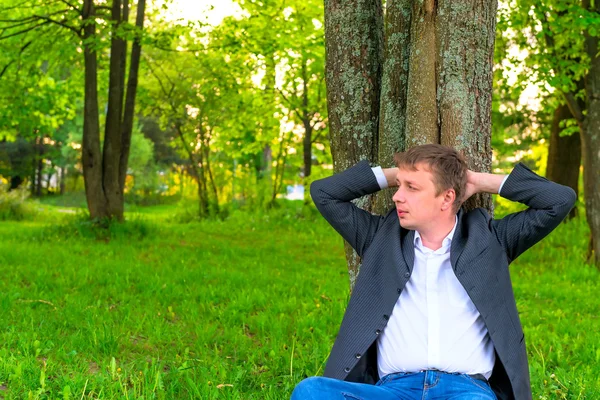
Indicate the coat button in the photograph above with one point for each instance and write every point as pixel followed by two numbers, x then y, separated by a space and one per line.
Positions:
pixel 386 317
pixel 407 274
pixel 399 290
pixel 346 369
pixel 378 331
pixel 357 356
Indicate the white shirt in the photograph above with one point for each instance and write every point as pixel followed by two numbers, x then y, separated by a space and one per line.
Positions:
pixel 434 323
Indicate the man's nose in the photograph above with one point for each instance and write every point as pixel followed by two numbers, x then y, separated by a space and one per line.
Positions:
pixel 398 196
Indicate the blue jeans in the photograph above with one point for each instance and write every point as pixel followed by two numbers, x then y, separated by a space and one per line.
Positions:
pixel 427 385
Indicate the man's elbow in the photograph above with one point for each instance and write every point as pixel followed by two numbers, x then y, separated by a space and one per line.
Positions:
pixel 569 198
pixel 316 192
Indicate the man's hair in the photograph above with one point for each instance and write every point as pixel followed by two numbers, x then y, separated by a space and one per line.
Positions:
pixel 448 167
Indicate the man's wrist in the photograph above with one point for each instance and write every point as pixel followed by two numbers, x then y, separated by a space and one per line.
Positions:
pixel 390 176
pixel 489 183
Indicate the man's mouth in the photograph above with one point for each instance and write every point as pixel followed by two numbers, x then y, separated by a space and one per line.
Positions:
pixel 402 212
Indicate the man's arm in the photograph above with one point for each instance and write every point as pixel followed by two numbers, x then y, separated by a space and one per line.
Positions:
pixel 333 197
pixel 548 202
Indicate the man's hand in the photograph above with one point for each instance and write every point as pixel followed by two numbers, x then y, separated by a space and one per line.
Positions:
pixel 478 182
pixel 471 187
pixel 390 175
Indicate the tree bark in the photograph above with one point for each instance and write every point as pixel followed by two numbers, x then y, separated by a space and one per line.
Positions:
pixel 353 54
pixel 465 51
pixel 394 83
pixel 132 83
pixel 112 133
pixel 307 139
pixel 91 155
pixel 435 86
pixel 104 171
pixel 564 154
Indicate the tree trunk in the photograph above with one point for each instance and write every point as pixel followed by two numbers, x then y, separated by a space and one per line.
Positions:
pixel 436 84
pixel 197 172
pixel 305 116
pixel 91 154
pixel 205 140
pixel 34 166
pixel 104 171
pixel 590 141
pixel 39 165
pixel 63 178
pixel 353 54
pixel 112 132
pixel 132 82
pixel 394 81
pixel 564 154
pixel 465 34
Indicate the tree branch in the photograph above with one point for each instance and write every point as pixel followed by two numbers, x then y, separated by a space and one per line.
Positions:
pixel 25 46
pixel 24 30
pixel 61 23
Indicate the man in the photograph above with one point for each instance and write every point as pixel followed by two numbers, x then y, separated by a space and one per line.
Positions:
pixel 432 314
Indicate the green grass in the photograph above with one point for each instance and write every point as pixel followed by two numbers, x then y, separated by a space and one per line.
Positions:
pixel 173 311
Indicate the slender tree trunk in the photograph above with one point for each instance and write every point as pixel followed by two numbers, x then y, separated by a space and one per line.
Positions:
pixel 34 166
pixel 196 167
pixel 63 178
pixel 564 154
pixel 394 83
pixel 205 140
pixel 307 139
pixel 354 55
pixel 280 166
pixel 112 133
pixel 132 83
pixel 465 34
pixel 91 154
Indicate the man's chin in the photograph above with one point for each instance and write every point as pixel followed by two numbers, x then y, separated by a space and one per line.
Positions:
pixel 406 225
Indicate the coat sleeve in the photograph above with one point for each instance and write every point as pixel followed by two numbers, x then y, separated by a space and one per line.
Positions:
pixel 548 205
pixel 334 197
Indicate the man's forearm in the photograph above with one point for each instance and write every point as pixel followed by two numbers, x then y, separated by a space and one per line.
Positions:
pixel 489 183
pixel 390 176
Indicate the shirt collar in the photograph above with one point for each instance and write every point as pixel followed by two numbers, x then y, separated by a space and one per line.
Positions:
pixel 445 243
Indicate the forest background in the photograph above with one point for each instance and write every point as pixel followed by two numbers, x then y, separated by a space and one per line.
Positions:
pixel 157 237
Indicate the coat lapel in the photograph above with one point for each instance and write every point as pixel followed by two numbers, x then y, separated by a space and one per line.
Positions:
pixel 458 241
pixel 408 248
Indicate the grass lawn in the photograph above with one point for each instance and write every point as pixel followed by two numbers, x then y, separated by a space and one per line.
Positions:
pixel 237 309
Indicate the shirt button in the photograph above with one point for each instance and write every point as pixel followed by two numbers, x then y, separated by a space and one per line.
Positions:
pixel 346 369
pixel 386 317
pixel 357 356
pixel 406 274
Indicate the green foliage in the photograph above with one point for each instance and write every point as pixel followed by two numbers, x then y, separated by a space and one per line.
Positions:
pixel 14 205
pixel 81 226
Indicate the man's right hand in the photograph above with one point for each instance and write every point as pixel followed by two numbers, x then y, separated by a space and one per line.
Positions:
pixel 390 175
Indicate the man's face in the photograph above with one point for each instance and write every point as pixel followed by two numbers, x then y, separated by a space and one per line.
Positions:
pixel 416 202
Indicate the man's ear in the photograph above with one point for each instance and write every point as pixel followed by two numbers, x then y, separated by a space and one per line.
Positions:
pixel 449 197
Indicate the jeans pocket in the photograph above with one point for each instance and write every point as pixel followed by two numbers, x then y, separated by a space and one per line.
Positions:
pixel 480 384
pixel 350 396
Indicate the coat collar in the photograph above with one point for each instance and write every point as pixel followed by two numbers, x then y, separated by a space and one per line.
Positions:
pixel 407 238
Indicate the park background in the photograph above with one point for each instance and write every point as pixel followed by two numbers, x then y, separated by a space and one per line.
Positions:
pixel 157 240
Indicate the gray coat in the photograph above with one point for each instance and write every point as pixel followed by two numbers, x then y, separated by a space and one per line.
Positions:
pixel 480 253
